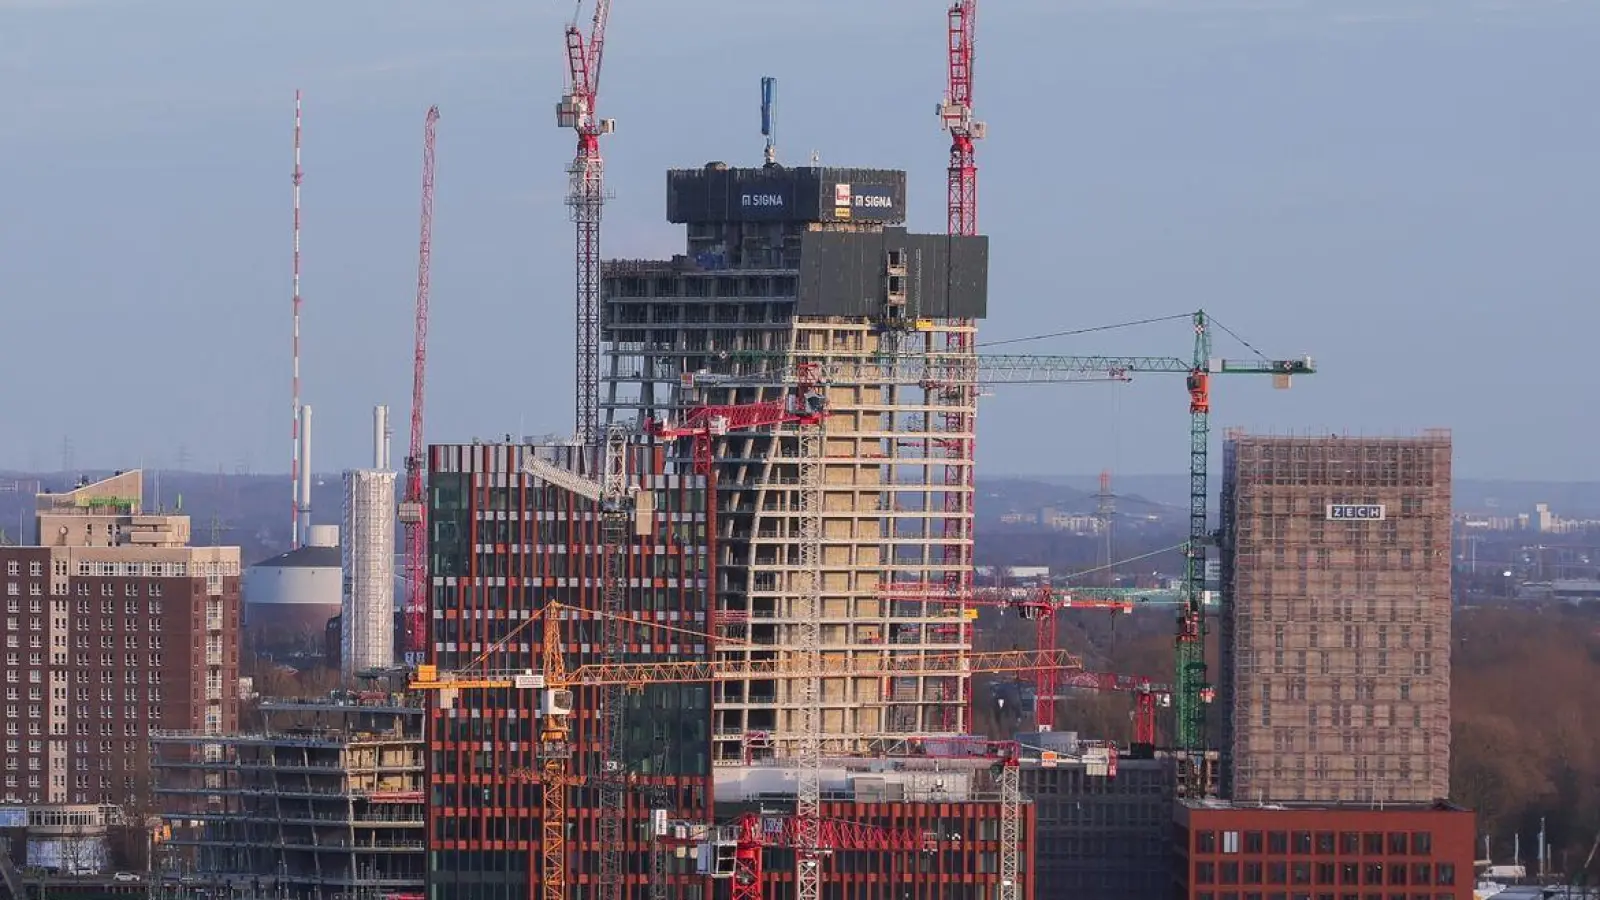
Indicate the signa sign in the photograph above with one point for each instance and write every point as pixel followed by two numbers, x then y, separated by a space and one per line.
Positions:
pixel 1368 512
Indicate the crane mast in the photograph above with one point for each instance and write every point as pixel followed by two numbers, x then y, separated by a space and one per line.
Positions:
pixel 586 197
pixel 960 423
pixel 412 511
pixel 615 514
pixel 808 609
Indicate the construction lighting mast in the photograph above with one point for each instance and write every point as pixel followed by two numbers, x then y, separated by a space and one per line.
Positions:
pixel 586 197
pixel 412 511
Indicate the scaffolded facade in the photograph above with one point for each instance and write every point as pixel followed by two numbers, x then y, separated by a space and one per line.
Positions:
pixel 1336 624
pixel 504 544
pixel 772 279
pixel 366 615
pixel 326 803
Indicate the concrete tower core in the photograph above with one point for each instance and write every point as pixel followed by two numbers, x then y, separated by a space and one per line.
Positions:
pixel 806 265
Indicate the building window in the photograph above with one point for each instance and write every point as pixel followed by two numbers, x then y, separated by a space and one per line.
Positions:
pixel 1302 842
pixel 1372 844
pixel 1445 874
pixel 1421 874
pixel 1205 842
pixel 1230 842
pixel 1373 874
pixel 1205 873
pixel 1277 873
pixel 1252 842
pixel 13 567
pixel 1421 843
pixel 1252 873
pixel 35 568
pixel 1228 873
pixel 1278 843
pixel 1397 842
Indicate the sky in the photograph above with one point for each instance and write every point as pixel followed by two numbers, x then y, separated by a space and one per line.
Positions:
pixel 1403 189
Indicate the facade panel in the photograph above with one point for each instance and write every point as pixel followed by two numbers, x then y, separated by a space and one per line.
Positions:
pixel 502 545
pixel 1336 628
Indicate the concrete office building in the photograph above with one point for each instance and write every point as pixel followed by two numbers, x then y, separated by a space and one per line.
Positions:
pixel 115 628
pixel 790 266
pixel 1336 626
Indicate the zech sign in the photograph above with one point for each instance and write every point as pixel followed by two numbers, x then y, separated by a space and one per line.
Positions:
pixel 1368 512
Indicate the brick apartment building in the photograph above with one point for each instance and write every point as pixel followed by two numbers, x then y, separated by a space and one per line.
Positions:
pixel 1228 851
pixel 114 627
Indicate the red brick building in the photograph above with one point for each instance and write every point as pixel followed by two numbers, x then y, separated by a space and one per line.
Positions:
pixel 113 628
pixel 1228 851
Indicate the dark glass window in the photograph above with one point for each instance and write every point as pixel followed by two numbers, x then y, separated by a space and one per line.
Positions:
pixel 1325 843
pixel 1205 842
pixel 1374 874
pixel 1252 842
pixel 1302 842
pixel 1421 873
pixel 1252 873
pixel 1228 873
pixel 1205 873
pixel 1277 842
pixel 1372 843
pixel 1445 874
pixel 1421 843
pixel 1324 873
pixel 1277 873
pixel 1349 873
pixel 1349 843
pixel 1397 843
pixel 1300 872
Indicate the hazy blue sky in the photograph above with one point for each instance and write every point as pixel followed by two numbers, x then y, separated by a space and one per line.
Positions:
pixel 1401 188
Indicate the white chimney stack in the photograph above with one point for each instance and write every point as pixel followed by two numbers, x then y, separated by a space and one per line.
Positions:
pixel 305 472
pixel 380 438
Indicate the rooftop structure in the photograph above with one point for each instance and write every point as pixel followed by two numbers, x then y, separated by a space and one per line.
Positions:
pixel 783 267
pixel 1336 630
pixel 114 627
pixel 327 801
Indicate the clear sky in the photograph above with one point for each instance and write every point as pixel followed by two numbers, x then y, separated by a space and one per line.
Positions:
pixel 1401 188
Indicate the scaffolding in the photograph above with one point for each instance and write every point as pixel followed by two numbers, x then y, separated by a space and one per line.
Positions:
pixel 326 803
pixel 1336 617
pixel 366 618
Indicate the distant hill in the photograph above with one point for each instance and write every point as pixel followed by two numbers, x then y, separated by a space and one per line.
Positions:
pixel 1576 499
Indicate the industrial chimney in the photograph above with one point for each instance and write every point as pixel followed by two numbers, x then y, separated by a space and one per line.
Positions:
pixel 305 472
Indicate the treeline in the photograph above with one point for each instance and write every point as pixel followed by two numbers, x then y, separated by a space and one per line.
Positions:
pixel 1525 709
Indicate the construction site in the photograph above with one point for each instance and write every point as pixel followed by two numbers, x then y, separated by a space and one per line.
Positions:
pixel 720 642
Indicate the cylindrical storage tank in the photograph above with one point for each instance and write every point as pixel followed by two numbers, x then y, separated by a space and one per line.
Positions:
pixel 289 599
pixel 367 604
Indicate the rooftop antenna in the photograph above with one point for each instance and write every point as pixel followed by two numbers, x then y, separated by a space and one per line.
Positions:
pixel 769 121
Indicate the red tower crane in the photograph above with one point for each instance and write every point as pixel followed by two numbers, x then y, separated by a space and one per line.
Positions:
pixel 956 117
pixel 806 406
pixel 754 833
pixel 412 512
pixel 1039 605
pixel 586 197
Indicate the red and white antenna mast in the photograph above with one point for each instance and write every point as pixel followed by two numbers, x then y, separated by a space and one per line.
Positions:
pixel 413 513
pixel 295 537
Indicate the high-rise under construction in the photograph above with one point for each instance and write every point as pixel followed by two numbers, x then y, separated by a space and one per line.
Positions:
pixel 1336 630
pixel 792 267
